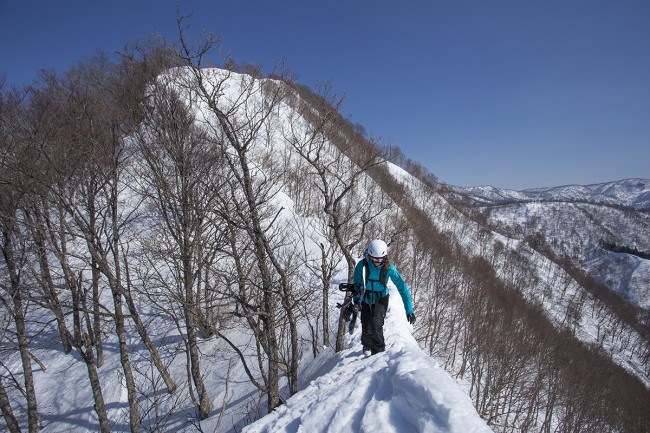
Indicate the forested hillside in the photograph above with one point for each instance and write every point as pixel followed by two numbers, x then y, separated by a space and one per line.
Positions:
pixel 602 230
pixel 172 235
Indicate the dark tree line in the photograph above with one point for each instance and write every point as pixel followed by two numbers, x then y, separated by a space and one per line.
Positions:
pixel 609 246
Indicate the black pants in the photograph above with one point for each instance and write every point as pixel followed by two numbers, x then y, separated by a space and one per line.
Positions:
pixel 372 325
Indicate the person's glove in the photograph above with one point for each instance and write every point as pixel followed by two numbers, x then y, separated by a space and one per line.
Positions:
pixel 411 318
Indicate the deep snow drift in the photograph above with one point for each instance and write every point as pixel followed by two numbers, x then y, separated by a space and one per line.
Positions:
pixel 401 390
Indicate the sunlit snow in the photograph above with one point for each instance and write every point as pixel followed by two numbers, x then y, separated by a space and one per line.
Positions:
pixel 400 390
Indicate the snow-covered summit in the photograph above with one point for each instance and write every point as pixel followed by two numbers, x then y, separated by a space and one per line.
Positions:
pixel 400 390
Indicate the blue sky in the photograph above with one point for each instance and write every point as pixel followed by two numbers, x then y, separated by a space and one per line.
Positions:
pixel 514 94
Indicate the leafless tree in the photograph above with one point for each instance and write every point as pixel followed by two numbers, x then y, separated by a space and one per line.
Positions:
pixel 7 412
pixel 181 179
pixel 241 110
pixel 15 183
pixel 338 157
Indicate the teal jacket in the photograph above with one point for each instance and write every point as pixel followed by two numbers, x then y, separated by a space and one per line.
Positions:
pixel 375 289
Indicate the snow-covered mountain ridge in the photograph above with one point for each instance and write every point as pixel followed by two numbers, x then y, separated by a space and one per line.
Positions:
pixel 547 284
pixel 633 193
pixel 67 396
pixel 400 390
pixel 510 335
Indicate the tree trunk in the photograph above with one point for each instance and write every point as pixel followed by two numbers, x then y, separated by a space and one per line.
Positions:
pixel 134 412
pixel 144 335
pixel 83 344
pixel 95 384
pixel 21 333
pixel 273 381
pixel 96 336
pixel 195 361
pixel 326 290
pixel 49 292
pixel 120 329
pixel 270 304
pixel 19 320
pixel 7 412
pixel 340 334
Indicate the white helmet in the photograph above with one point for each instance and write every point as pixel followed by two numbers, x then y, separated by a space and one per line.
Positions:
pixel 377 248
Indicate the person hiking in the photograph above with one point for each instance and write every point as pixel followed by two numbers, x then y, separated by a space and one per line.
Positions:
pixel 372 274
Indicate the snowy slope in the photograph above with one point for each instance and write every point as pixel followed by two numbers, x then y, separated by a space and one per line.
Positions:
pixel 403 388
pixel 550 287
pixel 634 193
pixel 577 231
pixel 574 221
pixel 400 390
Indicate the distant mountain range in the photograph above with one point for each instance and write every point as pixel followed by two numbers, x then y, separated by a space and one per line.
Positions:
pixel 633 193
pixel 602 229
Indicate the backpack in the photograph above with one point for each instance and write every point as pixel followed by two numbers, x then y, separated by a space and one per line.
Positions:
pixel 366 271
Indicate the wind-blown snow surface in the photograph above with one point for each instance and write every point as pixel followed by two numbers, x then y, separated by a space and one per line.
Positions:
pixel 401 390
